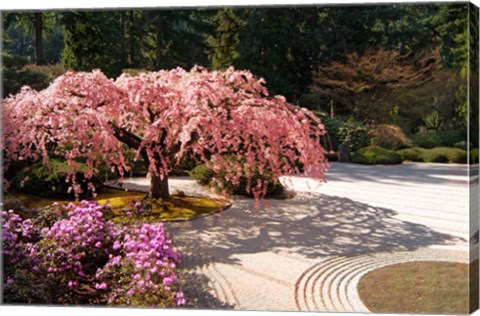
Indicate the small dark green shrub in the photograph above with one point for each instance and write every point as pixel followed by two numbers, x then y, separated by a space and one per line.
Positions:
pixel 376 155
pixel 332 126
pixel 426 140
pixel 49 180
pixel 461 145
pixel 450 137
pixel 139 168
pixel 355 134
pixel 18 73
pixel 389 136
pixel 183 168
pixel 204 176
pixel 13 61
pixel 474 156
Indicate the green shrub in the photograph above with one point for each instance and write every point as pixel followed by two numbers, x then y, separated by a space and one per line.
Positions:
pixel 389 136
pixel 426 140
pixel 17 73
pixel 474 156
pixel 412 154
pixel 355 134
pixel 376 155
pixel 13 61
pixel 332 126
pixel 449 137
pixel 204 176
pixel 183 168
pixel 438 154
pixel 49 180
pixel 50 71
pixel 139 168
pixel 445 154
pixel 461 145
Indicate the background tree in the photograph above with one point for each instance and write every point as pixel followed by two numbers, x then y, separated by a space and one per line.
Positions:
pixel 223 42
pixel 35 24
pixel 368 83
pixel 272 45
pixel 165 116
pixel 93 40
pixel 285 45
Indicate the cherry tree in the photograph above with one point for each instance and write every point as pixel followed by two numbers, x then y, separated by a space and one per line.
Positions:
pixel 164 116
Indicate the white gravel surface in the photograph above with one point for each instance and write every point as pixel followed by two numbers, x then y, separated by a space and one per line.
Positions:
pixel 308 253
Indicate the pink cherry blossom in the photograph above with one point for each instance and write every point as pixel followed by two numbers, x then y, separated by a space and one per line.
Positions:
pixel 164 116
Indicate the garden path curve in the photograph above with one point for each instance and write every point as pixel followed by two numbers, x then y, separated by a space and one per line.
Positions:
pixel 308 253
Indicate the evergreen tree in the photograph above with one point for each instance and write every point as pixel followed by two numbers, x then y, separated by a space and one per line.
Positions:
pixel 273 45
pixel 93 39
pixel 223 43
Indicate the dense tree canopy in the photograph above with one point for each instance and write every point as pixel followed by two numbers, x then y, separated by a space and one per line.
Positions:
pixel 299 50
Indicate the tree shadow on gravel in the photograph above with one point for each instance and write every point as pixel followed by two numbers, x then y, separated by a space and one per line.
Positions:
pixel 311 225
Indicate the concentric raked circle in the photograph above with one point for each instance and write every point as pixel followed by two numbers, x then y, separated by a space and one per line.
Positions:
pixel 331 285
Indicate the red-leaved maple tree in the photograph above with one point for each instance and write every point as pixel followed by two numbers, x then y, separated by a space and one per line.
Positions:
pixel 164 116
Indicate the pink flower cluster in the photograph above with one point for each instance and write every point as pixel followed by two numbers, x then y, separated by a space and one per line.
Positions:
pixel 76 246
pixel 144 263
pixel 18 239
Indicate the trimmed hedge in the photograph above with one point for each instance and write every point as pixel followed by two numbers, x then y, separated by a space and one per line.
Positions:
pixel 412 154
pixel 446 154
pixel 373 155
pixel 438 154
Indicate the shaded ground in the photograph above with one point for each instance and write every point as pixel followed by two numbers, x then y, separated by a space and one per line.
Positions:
pixel 252 258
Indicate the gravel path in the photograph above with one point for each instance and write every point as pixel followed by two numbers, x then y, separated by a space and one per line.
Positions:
pixel 308 253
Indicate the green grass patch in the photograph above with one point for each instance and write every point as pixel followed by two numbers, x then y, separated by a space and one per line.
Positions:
pixel 175 208
pixel 417 287
pixel 376 155
pixel 438 154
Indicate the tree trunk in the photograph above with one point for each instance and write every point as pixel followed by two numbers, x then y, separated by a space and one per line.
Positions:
pixel 159 187
pixel 38 38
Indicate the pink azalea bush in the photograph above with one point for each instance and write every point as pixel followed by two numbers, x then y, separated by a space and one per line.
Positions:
pixel 142 271
pixel 85 259
pixel 20 264
pixel 165 117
